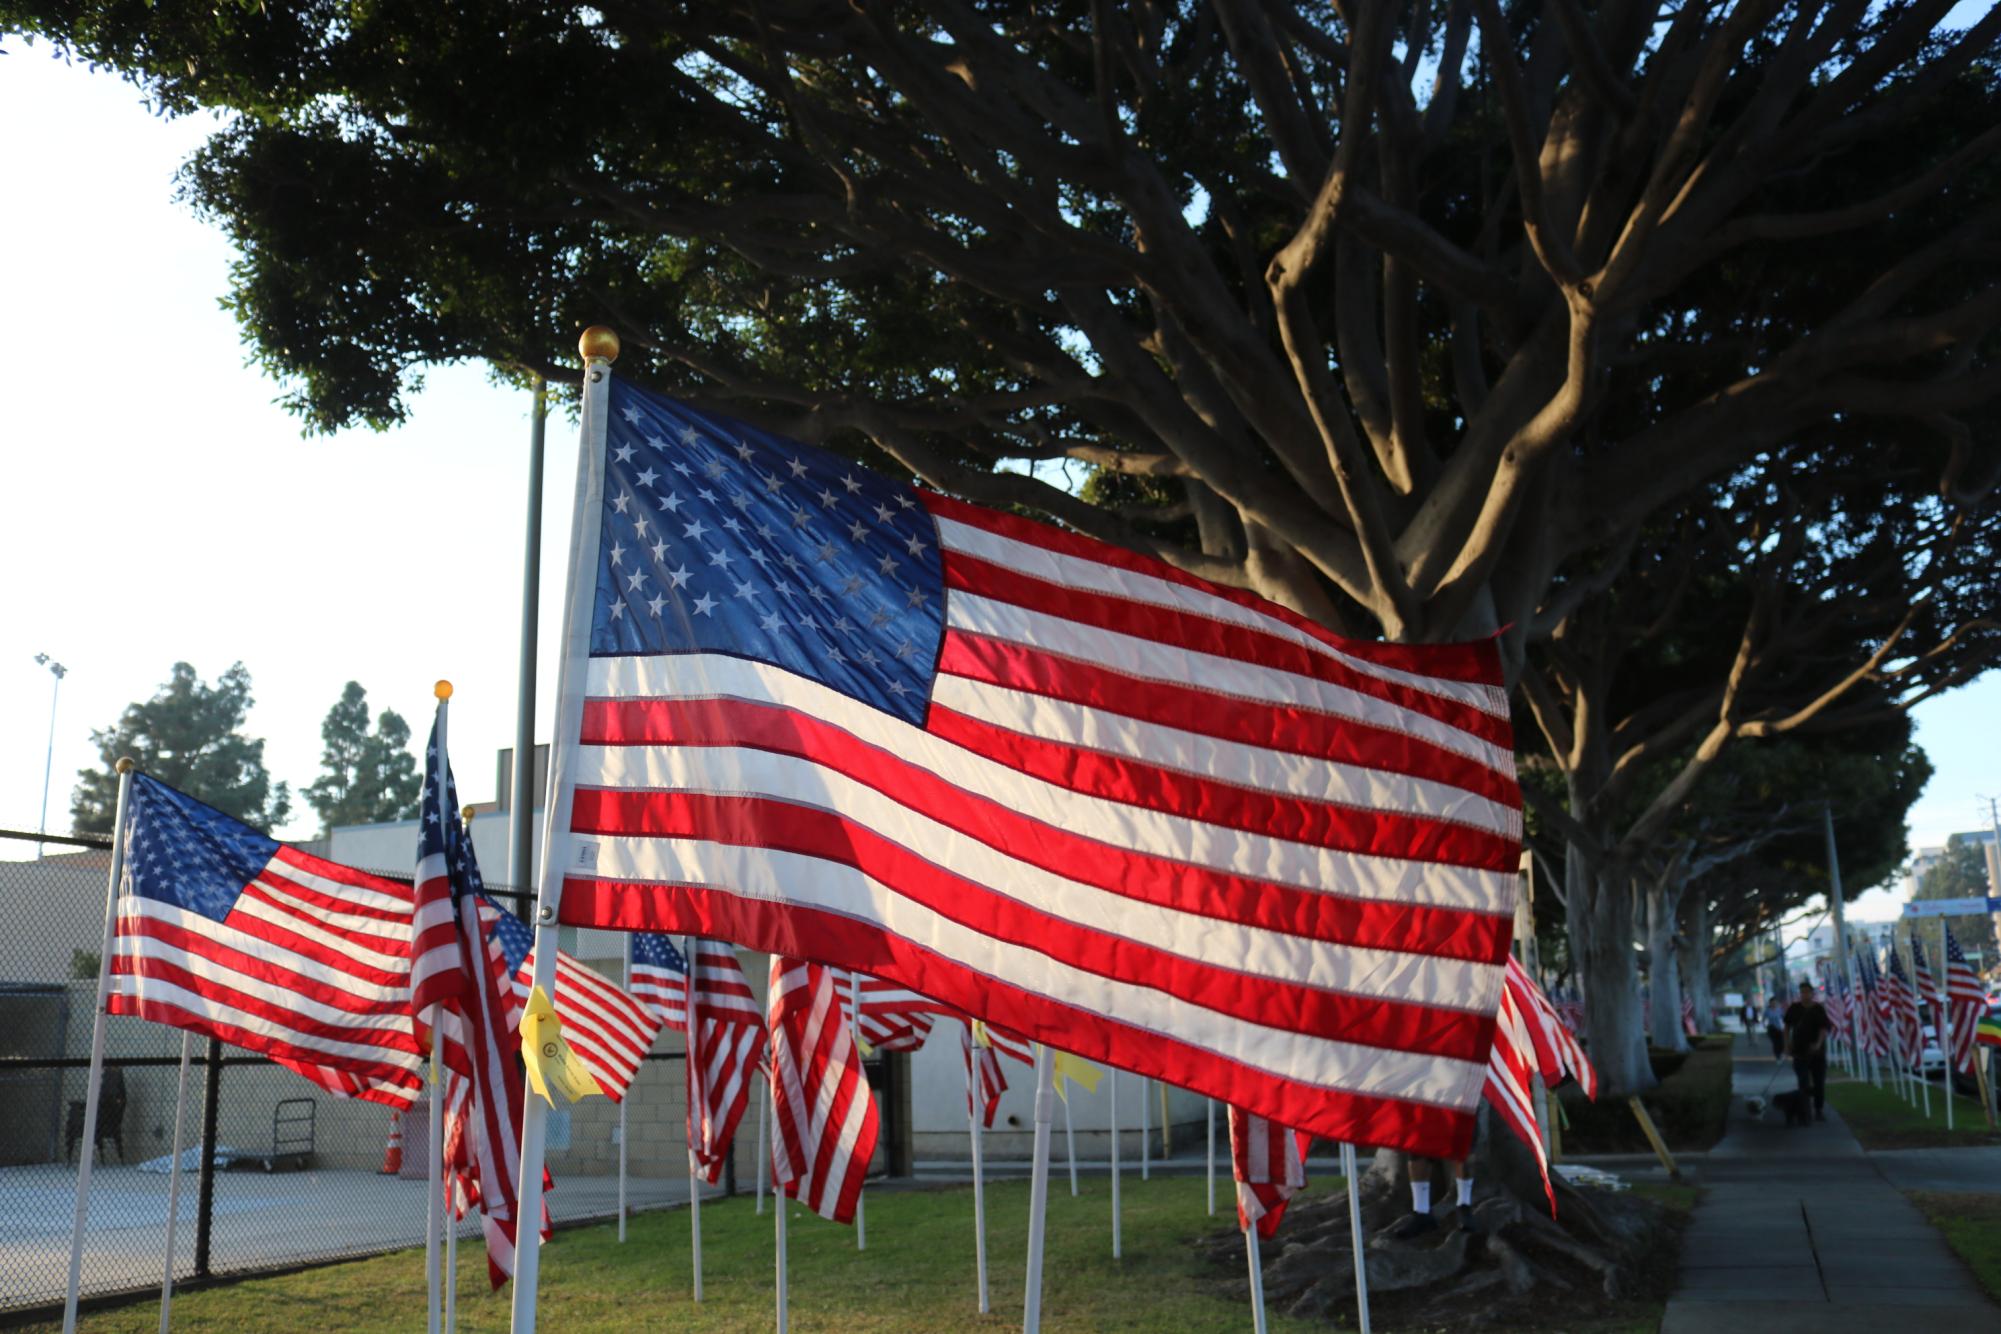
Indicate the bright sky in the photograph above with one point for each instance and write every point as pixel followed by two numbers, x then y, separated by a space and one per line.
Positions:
pixel 157 506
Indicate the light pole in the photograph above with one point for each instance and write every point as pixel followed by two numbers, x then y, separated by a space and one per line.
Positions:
pixel 58 671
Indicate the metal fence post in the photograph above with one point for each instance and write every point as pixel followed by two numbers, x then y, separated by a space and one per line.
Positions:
pixel 205 1208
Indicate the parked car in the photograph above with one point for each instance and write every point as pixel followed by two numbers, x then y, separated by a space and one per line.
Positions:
pixel 1933 1060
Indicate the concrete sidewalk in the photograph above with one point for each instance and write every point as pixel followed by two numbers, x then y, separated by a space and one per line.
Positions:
pixel 1799 1230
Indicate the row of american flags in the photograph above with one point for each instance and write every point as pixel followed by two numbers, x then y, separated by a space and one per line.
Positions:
pixel 1883 1016
pixel 936 761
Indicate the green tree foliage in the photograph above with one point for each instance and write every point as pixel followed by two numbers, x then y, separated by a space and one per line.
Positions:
pixel 189 736
pixel 366 776
pixel 1962 874
pixel 1401 310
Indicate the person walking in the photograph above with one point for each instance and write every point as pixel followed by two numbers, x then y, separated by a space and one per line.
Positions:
pixel 1775 1027
pixel 1807 1027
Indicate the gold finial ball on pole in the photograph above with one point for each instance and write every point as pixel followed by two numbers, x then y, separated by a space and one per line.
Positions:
pixel 126 764
pixel 443 690
pixel 599 343
pixel 466 815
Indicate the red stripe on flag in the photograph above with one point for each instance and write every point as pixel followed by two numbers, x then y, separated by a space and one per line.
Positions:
pixel 1372 1020
pixel 1378 924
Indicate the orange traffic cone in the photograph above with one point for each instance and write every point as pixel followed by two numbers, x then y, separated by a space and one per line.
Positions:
pixel 392 1156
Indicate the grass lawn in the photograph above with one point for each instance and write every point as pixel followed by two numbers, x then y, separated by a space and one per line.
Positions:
pixel 917 1273
pixel 1882 1120
pixel 1972 1227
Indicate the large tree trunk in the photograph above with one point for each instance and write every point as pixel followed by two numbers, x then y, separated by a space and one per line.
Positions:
pixel 1601 940
pixel 1694 951
pixel 1663 976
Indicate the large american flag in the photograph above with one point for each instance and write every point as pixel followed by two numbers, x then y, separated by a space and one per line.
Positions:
pixel 225 931
pixel 728 1046
pixel 484 1089
pixel 1269 1163
pixel 1160 823
pixel 824 1122
pixel 1966 1001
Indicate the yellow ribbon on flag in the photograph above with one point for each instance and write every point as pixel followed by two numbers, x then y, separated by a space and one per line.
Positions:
pixel 1077 1068
pixel 548 1056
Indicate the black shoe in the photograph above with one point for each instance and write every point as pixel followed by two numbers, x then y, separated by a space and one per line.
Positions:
pixel 1412 1225
pixel 1819 1115
pixel 1466 1223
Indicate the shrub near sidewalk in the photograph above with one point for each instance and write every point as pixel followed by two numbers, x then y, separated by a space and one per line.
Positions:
pixel 1690 1106
pixel 1882 1120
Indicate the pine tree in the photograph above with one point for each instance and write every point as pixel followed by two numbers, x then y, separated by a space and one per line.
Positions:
pixel 367 777
pixel 189 736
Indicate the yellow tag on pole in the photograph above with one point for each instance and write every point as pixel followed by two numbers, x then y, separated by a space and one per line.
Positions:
pixel 980 1034
pixel 548 1056
pixel 1077 1068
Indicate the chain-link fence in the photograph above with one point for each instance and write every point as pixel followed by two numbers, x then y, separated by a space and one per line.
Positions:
pixel 276 1172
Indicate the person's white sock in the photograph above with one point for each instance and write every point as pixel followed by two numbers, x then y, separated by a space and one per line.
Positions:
pixel 1465 1185
pixel 1420 1197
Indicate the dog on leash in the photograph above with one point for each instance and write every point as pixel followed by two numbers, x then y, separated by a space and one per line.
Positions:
pixel 1796 1105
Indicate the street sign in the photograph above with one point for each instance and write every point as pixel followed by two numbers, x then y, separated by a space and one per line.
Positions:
pixel 1951 907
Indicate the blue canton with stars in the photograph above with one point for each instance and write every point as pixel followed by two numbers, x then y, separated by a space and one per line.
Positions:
pixel 516 940
pixel 651 949
pixel 722 538
pixel 438 828
pixel 181 851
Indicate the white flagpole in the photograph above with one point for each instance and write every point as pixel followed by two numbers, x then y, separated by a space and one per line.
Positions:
pixel 623 1156
pixel 778 1208
pixel 695 1119
pixel 1212 1157
pixel 1070 1143
pixel 434 1157
pixel 1355 1234
pixel 1038 1189
pixel 1256 1263
pixel 560 852
pixel 763 1106
pixel 861 1196
pixel 1112 1078
pixel 1145 1141
pixel 451 1257
pixel 174 1177
pixel 975 1105
pixel 94 1081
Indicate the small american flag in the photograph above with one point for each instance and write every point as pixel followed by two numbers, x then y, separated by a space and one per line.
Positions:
pixel 484 1087
pixel 609 1029
pixel 727 1050
pixel 983 1076
pixel 1511 1067
pixel 1557 1052
pixel 1166 824
pixel 894 1018
pixel 1921 973
pixel 1902 1010
pixel 1688 1015
pixel 660 978
pixel 824 1123
pixel 227 932
pixel 1269 1162
pixel 1834 999
pixel 1966 1002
